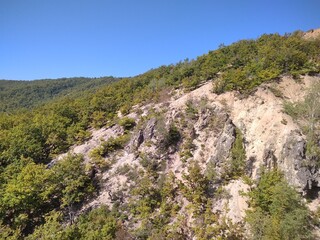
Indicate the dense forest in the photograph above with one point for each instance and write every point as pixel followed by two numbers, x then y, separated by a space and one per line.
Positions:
pixel 28 94
pixel 42 119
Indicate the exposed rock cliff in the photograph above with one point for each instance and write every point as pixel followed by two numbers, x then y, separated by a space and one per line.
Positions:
pixel 207 124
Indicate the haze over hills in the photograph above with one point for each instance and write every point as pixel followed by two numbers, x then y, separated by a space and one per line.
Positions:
pixel 225 146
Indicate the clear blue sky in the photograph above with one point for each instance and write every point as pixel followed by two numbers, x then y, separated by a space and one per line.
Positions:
pixel 92 38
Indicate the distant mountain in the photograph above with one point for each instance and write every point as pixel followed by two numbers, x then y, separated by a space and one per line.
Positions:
pixel 27 94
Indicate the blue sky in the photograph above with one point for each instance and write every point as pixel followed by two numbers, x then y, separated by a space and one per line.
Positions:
pixel 93 38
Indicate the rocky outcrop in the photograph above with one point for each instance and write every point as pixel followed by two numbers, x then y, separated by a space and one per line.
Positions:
pixel 293 161
pixel 136 140
pixel 224 144
pixel 270 161
pixel 148 131
pixel 271 139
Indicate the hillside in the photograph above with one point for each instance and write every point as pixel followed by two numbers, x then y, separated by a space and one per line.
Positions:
pixel 28 94
pixel 225 146
pixel 205 147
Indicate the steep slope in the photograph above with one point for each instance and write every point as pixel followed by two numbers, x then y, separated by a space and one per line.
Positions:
pixel 208 125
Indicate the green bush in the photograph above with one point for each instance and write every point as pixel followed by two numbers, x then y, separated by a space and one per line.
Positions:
pixel 196 188
pixel 109 146
pixel 235 167
pixel 127 123
pixel 187 149
pixel 173 136
pixel 277 210
pixel 191 111
pixel 97 224
pixel 99 119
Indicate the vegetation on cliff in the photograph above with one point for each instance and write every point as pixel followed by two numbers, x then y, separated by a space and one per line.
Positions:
pixel 38 200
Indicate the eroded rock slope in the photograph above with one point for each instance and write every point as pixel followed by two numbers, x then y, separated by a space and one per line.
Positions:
pixel 203 127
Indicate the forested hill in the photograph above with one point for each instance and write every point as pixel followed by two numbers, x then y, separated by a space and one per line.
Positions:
pixel 190 137
pixel 28 94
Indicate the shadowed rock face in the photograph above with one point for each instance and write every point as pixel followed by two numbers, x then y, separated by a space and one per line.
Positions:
pixel 300 171
pixel 224 144
pixel 148 131
pixel 145 133
pixel 136 140
pixel 292 160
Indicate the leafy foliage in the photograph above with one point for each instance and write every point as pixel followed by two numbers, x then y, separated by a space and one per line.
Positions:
pixel 127 123
pixel 26 197
pixel 172 137
pixel 236 165
pixel 112 144
pixel 277 210
pixel 97 224
pixel 31 190
pixel 196 187
pixel 52 229
pixel 248 63
pixel 71 181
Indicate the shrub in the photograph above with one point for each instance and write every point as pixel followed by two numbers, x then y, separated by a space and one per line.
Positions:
pixel 173 136
pixel 187 149
pixel 196 188
pixel 293 110
pixel 98 119
pixel 107 147
pixel 124 169
pixel 191 83
pixel 191 111
pixel 236 165
pixel 127 123
pixel 277 210
pixel 97 224
pixel 276 92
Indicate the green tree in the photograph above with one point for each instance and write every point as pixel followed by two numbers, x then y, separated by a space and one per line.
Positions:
pixel 196 188
pixel 23 140
pixel 71 183
pixel 97 224
pixel 236 165
pixel 52 229
pixel 146 198
pixel 172 137
pixel 277 211
pixel 26 197
pixel 7 233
